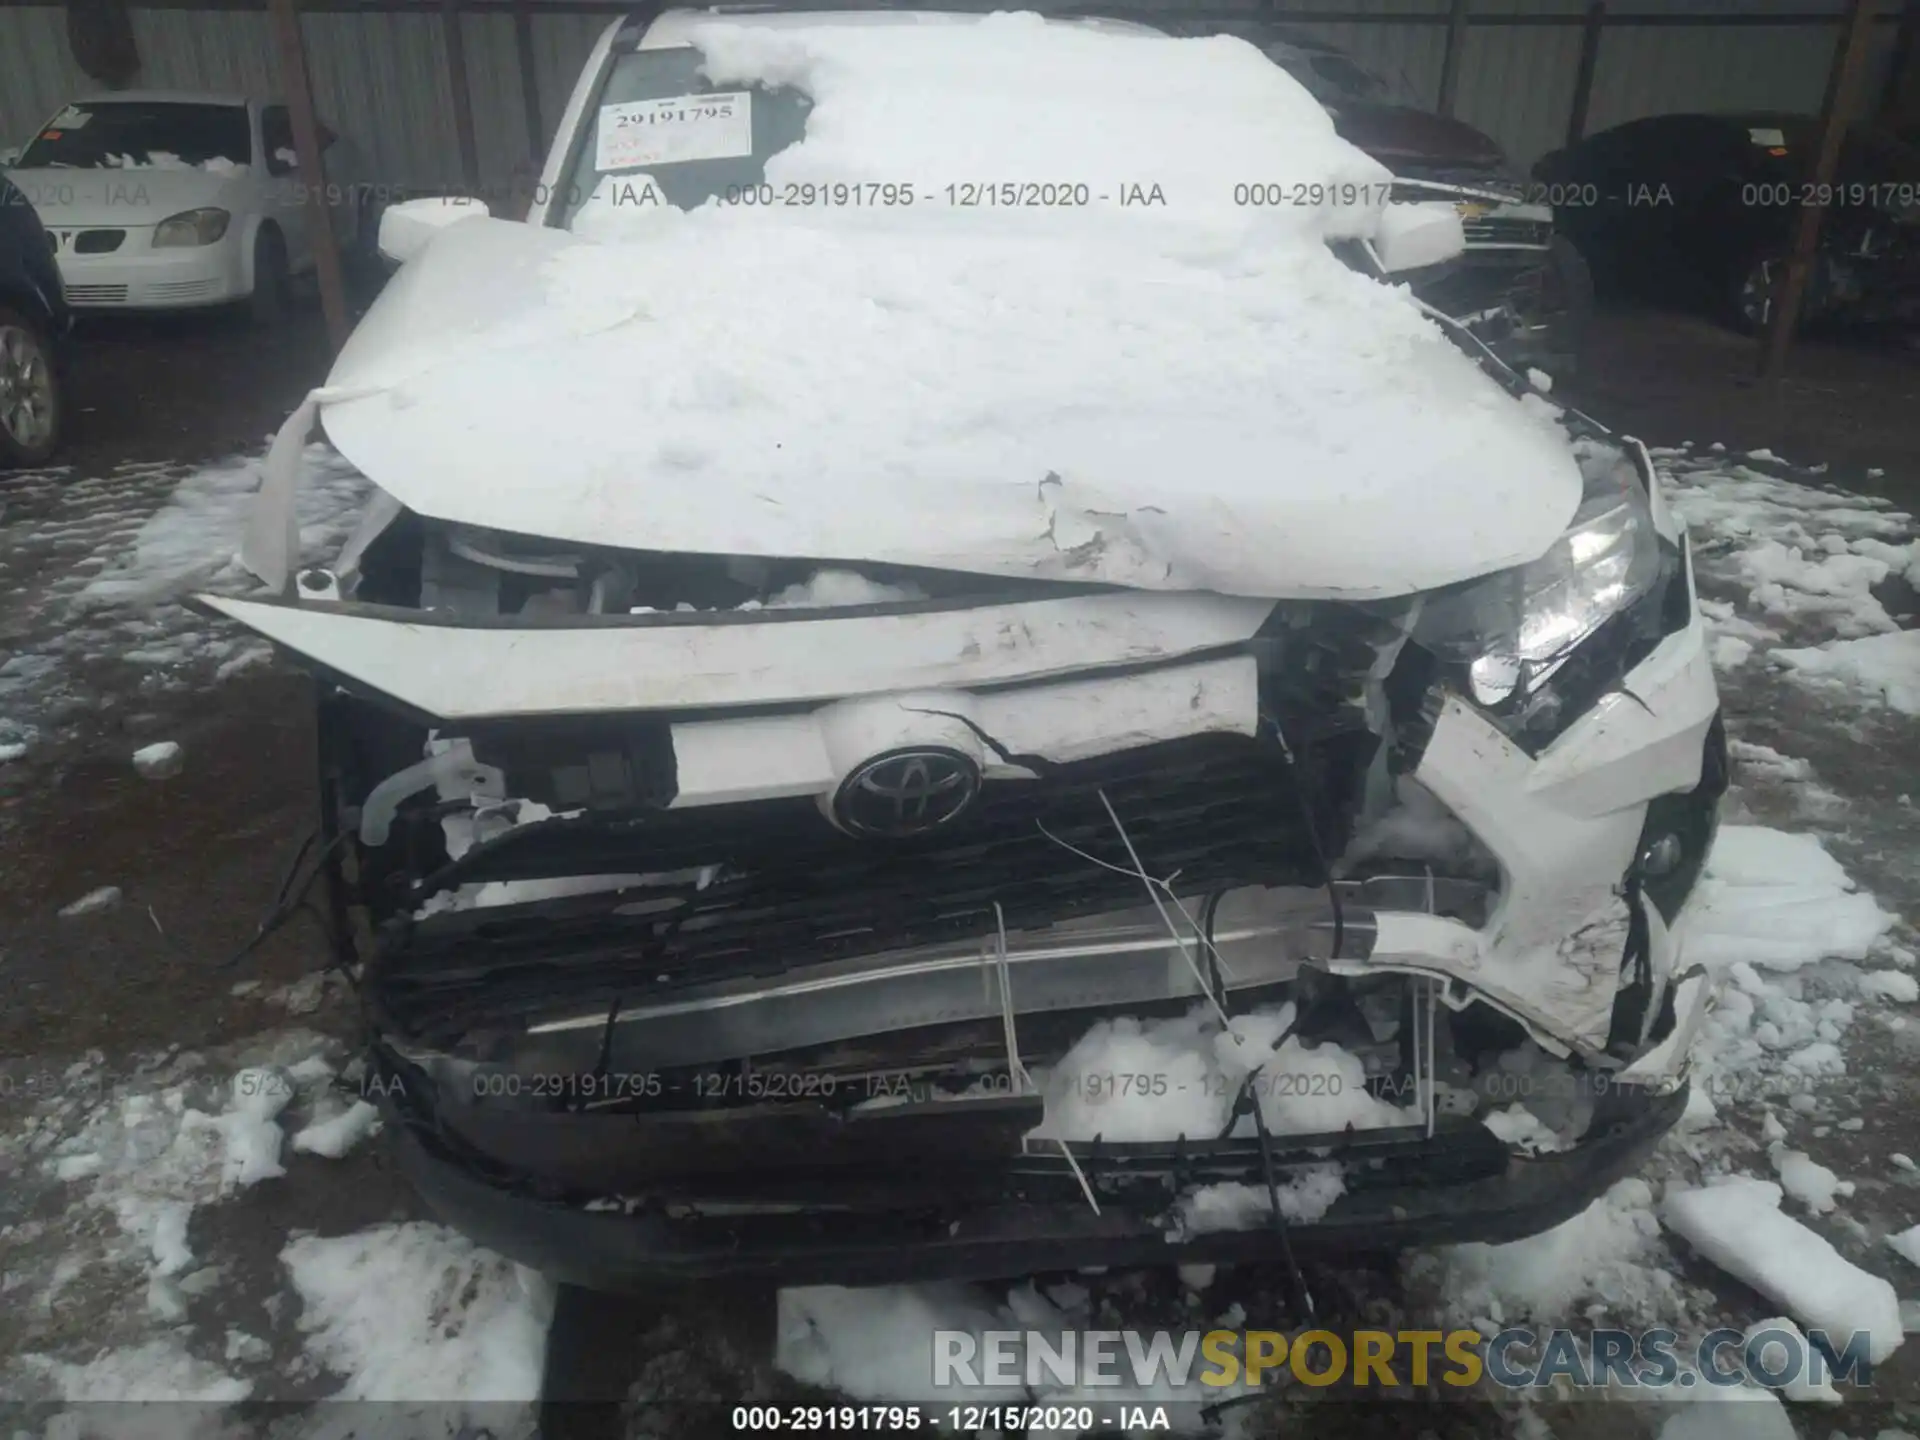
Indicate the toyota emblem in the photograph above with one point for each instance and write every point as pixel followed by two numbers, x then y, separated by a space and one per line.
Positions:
pixel 906 792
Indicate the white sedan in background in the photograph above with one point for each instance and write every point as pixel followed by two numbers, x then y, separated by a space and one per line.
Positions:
pixel 165 200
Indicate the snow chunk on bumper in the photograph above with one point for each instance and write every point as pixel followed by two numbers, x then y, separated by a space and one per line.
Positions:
pixel 1146 1080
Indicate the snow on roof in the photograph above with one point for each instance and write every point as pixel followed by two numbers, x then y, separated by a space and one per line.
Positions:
pixel 1184 392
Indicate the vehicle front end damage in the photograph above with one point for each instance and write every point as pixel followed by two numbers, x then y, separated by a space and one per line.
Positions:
pixel 718 916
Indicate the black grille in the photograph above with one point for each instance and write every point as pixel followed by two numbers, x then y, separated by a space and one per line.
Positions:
pixel 1505 230
pixel 98 242
pixel 1467 177
pixel 791 891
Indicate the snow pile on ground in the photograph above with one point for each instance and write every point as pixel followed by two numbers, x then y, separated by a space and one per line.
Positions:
pixel 1741 1413
pixel 1813 560
pixel 1783 1336
pixel 1610 1254
pixel 409 1313
pixel 418 1313
pixel 94 902
pixel 161 760
pixel 1906 1244
pixel 1806 1179
pixel 1770 908
pixel 106 560
pixel 193 540
pixel 1737 1223
pixel 249 1130
pixel 1778 901
pixel 131 1160
pixel 878 1344
pixel 337 1133
pixel 1887 666
pixel 159 1370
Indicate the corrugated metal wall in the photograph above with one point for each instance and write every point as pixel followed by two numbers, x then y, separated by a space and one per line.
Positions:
pixel 382 78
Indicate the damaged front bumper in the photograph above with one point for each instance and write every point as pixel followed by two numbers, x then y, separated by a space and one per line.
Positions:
pixel 948 1196
pixel 875 1135
pixel 729 942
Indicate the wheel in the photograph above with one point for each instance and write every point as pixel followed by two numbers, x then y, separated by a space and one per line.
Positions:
pixel 272 281
pixel 1755 291
pixel 1758 285
pixel 30 410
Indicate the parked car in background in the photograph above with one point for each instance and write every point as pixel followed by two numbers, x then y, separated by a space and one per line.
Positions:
pixel 1701 210
pixel 34 321
pixel 869 623
pixel 164 200
pixel 1518 286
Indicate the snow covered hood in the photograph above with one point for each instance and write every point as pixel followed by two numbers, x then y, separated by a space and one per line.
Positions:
pixel 127 195
pixel 1192 394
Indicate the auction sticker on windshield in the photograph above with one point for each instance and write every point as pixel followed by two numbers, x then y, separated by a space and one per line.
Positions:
pixel 674 130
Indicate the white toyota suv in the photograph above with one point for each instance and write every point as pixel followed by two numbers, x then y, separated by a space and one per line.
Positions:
pixel 923 693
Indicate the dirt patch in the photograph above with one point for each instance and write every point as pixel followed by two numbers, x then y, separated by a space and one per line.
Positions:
pixel 1846 401
pixel 197 860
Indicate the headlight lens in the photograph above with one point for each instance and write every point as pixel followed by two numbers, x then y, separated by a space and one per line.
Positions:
pixel 1513 629
pixel 194 227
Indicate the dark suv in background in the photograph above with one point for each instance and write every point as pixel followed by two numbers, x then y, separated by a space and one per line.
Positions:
pixel 34 322
pixel 1700 210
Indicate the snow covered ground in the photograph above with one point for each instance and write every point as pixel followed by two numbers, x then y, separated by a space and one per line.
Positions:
pixel 162 1232
pixel 92 572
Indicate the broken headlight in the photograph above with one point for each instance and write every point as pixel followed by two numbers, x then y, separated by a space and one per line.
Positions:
pixel 1513 629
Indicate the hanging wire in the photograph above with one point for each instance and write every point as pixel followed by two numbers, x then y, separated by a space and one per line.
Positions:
pixel 1155 887
pixel 1016 1067
pixel 1310 827
pixel 291 898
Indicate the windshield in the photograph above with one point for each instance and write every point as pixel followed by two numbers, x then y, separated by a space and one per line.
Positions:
pixel 112 134
pixel 660 120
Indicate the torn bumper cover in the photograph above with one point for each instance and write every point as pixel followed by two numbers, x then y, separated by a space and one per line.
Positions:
pixel 726 939
pixel 867 1155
